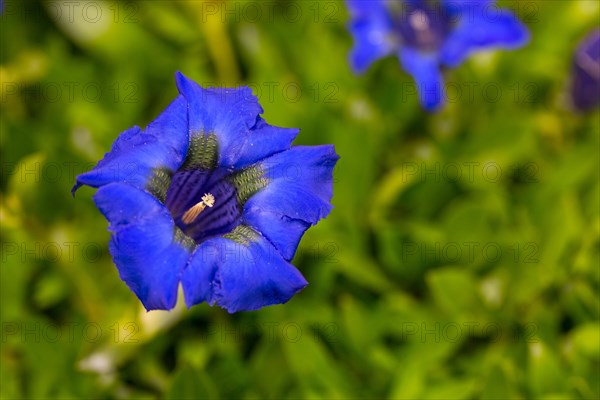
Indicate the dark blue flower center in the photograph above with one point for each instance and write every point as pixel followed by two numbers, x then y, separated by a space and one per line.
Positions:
pixel 420 25
pixel 200 176
pixel 188 186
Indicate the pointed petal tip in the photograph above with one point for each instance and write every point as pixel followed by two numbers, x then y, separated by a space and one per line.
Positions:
pixel 334 154
pixel 190 301
pixel 75 187
pixel 331 154
pixel 161 307
pixel 179 75
pixel 183 83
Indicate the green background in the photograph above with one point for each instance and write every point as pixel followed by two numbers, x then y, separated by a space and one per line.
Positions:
pixel 461 259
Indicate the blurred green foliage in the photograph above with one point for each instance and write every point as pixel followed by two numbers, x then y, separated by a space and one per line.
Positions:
pixel 461 260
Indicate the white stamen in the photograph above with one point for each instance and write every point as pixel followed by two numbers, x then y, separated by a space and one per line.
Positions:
pixel 208 200
pixel 419 21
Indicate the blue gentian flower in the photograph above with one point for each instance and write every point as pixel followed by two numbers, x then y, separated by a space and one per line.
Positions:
pixel 211 196
pixel 585 90
pixel 426 35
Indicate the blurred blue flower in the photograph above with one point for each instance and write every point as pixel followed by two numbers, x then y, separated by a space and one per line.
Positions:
pixel 585 90
pixel 427 35
pixel 211 196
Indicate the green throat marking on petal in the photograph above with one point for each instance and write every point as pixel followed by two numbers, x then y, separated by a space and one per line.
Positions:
pixel 247 182
pixel 183 239
pixel 203 152
pixel 242 234
pixel 159 183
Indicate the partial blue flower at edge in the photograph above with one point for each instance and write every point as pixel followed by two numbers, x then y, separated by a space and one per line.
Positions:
pixel 585 85
pixel 425 39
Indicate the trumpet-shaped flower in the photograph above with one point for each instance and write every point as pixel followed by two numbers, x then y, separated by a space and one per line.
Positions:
pixel 211 197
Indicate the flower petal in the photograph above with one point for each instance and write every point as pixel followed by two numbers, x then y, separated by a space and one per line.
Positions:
pixel 171 127
pixel 424 68
pixel 144 244
pixel 300 183
pixel 481 31
pixel 282 231
pixel 371 29
pixel 136 156
pixel 240 273
pixel 298 195
pixel 233 116
pixel 265 140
